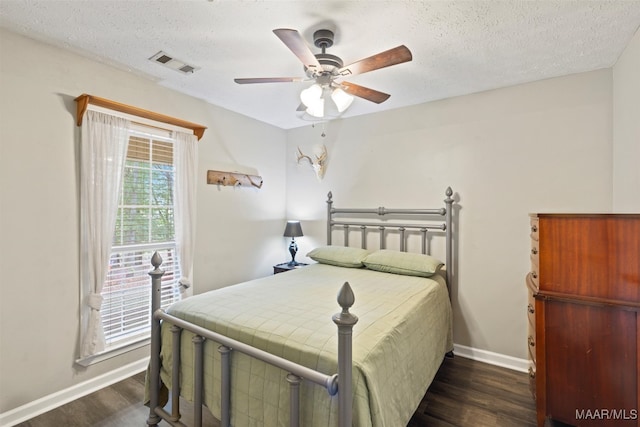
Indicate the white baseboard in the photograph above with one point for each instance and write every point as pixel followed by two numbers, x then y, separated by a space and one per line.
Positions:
pixel 54 400
pixel 509 362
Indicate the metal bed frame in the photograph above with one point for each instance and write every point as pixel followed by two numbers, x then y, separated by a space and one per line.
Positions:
pixel 339 383
pixel 426 215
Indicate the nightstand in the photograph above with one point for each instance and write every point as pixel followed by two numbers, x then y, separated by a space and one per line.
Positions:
pixel 281 268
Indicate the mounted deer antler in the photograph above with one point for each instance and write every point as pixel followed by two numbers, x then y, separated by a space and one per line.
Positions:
pixel 318 165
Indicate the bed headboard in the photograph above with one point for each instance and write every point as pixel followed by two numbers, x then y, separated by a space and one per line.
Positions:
pixel 403 222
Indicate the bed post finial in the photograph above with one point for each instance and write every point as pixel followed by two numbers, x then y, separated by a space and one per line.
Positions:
pixel 345 322
pixel 156 260
pixel 346 298
pixel 448 193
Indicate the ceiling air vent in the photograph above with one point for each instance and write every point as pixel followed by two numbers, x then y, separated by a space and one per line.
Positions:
pixel 173 63
pixel 163 59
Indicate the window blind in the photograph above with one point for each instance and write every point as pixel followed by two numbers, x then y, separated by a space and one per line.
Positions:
pixel 144 224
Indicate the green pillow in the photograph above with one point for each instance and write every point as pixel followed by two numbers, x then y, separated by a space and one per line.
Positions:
pixel 341 256
pixel 409 264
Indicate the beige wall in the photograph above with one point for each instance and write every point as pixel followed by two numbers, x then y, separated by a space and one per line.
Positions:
pixel 626 129
pixel 544 146
pixel 239 230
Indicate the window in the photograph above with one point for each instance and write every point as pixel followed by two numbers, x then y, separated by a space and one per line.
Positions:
pixel 144 224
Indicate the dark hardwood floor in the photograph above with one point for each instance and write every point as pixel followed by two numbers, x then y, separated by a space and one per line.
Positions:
pixel 470 393
pixel 464 393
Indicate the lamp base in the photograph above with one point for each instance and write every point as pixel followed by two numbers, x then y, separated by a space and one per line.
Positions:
pixel 293 249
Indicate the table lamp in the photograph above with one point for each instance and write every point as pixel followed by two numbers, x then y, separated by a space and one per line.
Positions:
pixel 293 230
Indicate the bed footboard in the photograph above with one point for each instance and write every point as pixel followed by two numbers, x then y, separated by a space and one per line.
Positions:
pixel 340 383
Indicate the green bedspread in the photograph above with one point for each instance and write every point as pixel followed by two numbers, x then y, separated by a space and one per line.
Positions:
pixel 403 332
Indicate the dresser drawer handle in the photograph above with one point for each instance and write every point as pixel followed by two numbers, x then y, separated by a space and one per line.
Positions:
pixel 530 309
pixel 532 342
pixel 534 229
pixel 534 251
pixel 534 274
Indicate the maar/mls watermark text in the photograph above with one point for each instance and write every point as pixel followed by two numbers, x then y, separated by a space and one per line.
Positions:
pixel 607 414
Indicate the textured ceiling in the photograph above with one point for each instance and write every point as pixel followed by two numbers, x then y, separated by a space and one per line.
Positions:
pixel 458 47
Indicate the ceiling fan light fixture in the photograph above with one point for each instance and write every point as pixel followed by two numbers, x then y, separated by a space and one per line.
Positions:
pixel 341 98
pixel 327 70
pixel 316 109
pixel 311 95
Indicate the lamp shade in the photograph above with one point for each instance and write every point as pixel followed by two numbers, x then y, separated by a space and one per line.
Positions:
pixel 341 98
pixel 312 98
pixel 293 229
pixel 317 108
pixel 311 95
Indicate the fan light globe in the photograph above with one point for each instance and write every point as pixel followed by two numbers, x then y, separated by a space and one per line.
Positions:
pixel 311 95
pixel 342 99
pixel 316 109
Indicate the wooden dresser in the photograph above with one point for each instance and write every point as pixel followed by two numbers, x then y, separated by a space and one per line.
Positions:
pixel 584 318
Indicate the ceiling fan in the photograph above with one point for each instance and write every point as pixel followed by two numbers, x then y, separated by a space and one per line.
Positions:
pixel 328 71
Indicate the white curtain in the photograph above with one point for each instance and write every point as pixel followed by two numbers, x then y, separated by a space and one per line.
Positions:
pixel 184 202
pixel 103 152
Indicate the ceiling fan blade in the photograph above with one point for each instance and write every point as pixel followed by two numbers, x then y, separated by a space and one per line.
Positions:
pixel 394 56
pixel 299 47
pixel 268 80
pixel 364 92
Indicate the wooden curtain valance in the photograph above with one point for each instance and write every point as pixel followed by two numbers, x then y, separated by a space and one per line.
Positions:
pixel 83 101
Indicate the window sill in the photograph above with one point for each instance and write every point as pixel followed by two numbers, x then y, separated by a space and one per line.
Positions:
pixel 112 352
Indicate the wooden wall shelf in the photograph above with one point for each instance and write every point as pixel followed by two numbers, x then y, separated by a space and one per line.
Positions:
pixel 233 179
